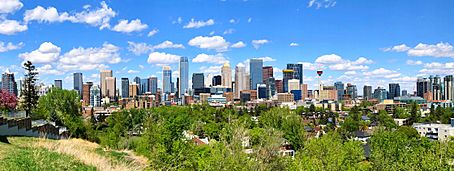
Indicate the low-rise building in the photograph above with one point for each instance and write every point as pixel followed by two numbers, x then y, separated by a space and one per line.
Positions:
pixel 435 131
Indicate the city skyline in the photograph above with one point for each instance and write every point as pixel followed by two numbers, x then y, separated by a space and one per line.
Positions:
pixel 381 45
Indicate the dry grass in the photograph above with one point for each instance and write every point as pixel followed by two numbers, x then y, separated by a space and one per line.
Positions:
pixel 85 152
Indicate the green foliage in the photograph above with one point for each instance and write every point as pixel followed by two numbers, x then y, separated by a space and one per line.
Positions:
pixel 29 93
pixel 401 113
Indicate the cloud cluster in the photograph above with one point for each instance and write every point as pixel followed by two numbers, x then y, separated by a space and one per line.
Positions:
pixel 217 59
pixel 239 44
pixel 126 26
pixel 4 47
pixel 46 53
pixel 337 63
pixel 10 6
pixel 162 58
pixel 198 24
pixel 10 27
pixel 258 43
pixel 382 73
pixel 321 3
pixel 438 50
pixel 217 43
pixel 143 48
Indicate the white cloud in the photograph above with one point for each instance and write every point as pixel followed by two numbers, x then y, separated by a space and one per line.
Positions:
pixel 232 20
pixel 293 44
pixel 382 73
pixel 168 44
pixel 239 44
pixel 362 60
pixel 139 48
pixel 249 20
pixel 329 59
pixel 258 43
pixel 412 62
pixel 347 66
pixel 397 48
pixel 162 58
pixel 218 58
pixel 46 53
pixel 133 71
pixel 49 15
pixel 10 6
pixel 309 66
pixel 350 73
pixel 266 59
pixel 90 58
pixel 99 17
pixel 405 79
pixel 198 24
pixel 47 69
pixel 10 27
pixel 153 32
pixel 215 42
pixel 228 31
pixel 215 70
pixel 321 3
pixel 126 26
pixel 438 50
pixel 4 47
pixel 178 21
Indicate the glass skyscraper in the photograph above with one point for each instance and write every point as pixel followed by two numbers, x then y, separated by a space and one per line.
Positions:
pixel 394 90
pixel 124 87
pixel 166 79
pixel 297 71
pixel 153 85
pixel 198 80
pixel 256 72
pixel 340 90
pixel 184 76
pixel 78 83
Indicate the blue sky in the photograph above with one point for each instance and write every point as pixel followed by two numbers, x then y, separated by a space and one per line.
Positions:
pixel 362 42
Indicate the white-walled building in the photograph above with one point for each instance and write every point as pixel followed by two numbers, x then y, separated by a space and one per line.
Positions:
pixel 435 131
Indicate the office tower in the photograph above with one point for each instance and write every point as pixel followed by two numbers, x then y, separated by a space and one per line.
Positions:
pixel 380 94
pixel 111 87
pixel 198 80
pixel 209 80
pixel 394 90
pixel 404 93
pixel 166 79
pixel 183 82
pixel 58 84
pixel 104 74
pixel 279 86
pixel 240 79
pixel 267 72
pixel 340 90
pixel 8 82
pixel 287 75
pixel 95 96
pixel 133 89
pixel 437 89
pixel 304 94
pixel 261 91
pixel 297 71
pixel 86 93
pixel 217 80
pixel 226 73
pixel 367 92
pixel 153 85
pixel 124 87
pixel 78 83
pixel 270 86
pixel 448 83
pixel 352 91
pixel 247 78
pixel 293 84
pixel 144 86
pixel 422 86
pixel 255 66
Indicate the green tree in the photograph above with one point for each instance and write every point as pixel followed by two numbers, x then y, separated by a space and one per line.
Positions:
pixel 29 92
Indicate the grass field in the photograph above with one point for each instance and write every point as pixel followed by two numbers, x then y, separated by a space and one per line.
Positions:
pixel 25 153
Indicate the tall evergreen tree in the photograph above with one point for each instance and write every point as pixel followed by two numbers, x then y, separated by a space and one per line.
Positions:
pixel 29 92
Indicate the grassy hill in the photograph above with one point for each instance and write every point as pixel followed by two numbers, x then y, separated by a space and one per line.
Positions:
pixel 25 153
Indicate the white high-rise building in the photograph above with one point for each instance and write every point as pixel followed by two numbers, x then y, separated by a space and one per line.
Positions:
pixel 293 84
pixel 226 73
pixel 208 80
pixel 240 80
pixel 103 75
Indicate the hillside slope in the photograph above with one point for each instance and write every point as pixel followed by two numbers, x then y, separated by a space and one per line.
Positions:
pixel 25 153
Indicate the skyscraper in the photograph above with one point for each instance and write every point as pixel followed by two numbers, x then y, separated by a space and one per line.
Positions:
pixel 209 80
pixel 270 86
pixel 198 80
pixel 78 83
pixel 217 80
pixel 103 75
pixel 133 89
pixel 267 72
pixel 297 71
pixel 95 96
pixel 144 85
pixel 352 91
pixel 380 94
pixel 404 93
pixel 183 85
pixel 166 79
pixel 367 92
pixel 9 83
pixel 226 73
pixel 422 86
pixel 279 86
pixel 256 72
pixel 86 93
pixel 287 75
pixel 293 84
pixel 111 87
pixel 58 84
pixel 125 87
pixel 261 91
pixel 240 79
pixel 448 83
pixel 153 85
pixel 394 90
pixel 340 90
pixel 437 89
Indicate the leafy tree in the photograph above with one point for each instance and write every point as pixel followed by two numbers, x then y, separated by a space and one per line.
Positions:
pixel 410 132
pixel 385 120
pixel 29 92
pixel 401 113
pixel 415 115
pixel 8 101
